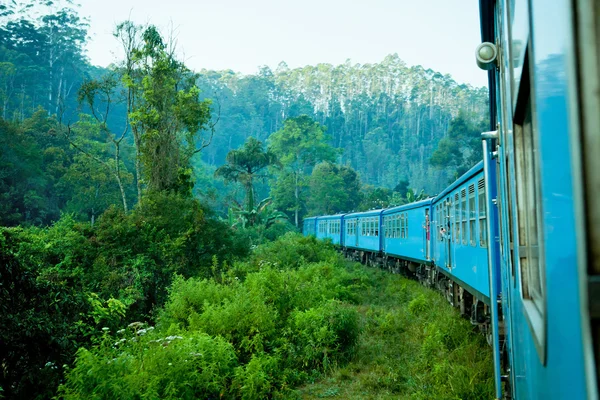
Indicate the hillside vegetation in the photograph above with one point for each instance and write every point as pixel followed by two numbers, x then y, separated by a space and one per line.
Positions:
pixel 296 312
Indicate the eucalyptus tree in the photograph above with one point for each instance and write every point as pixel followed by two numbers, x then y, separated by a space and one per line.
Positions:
pixel 247 164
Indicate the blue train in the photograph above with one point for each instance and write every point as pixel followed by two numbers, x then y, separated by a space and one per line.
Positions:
pixel 515 242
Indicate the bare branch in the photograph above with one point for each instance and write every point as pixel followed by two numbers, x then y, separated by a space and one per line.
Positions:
pixel 67 135
pixel 212 126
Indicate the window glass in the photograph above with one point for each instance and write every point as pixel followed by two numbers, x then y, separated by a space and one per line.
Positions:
pixel 472 216
pixel 482 214
pixel 463 207
pixel 529 241
pixel 456 219
pixel 528 209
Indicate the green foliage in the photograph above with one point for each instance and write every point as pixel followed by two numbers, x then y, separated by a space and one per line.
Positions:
pixel 324 335
pixel 292 251
pixel 148 365
pixel 138 253
pixel 282 324
pixel 43 313
pixel 386 116
pixel 300 145
pixel 415 345
pixel 62 284
pixel 461 148
pixel 166 114
pixel 333 189
pixel 245 165
pixel 261 224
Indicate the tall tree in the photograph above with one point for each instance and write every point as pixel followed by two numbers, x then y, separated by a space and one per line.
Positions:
pixel 247 164
pixel 333 189
pixel 300 145
pixel 99 96
pixel 168 113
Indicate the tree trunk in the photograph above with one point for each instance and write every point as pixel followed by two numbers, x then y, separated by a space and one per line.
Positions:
pixel 297 196
pixel 118 176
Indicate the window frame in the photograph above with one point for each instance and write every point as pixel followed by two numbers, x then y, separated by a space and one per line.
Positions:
pixel 464 216
pixel 472 216
pixel 482 211
pixel 529 209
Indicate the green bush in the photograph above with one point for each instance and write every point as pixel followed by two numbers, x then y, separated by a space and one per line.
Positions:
pixel 323 335
pixel 293 250
pixel 187 366
pixel 283 324
pixel 43 314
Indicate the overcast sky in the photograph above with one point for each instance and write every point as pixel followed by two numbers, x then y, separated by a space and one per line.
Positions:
pixel 242 35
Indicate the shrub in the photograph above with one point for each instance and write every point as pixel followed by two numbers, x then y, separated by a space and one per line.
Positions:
pixel 187 366
pixel 323 335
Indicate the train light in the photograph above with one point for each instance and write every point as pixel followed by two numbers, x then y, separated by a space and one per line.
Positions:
pixel 486 55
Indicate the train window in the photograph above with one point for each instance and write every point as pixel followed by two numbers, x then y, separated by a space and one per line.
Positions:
pixel 472 216
pixel 529 210
pixel 402 226
pixel 376 222
pixel 456 219
pixel 482 214
pixel 385 227
pixel 527 205
pixel 463 207
pixel 406 225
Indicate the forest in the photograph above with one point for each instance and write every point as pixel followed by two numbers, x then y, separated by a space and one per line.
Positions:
pixel 149 214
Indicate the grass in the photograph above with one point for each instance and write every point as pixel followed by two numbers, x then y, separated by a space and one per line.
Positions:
pixel 414 345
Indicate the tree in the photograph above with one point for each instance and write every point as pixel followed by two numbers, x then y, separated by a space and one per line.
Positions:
pixel 98 94
pixel 300 145
pixel 247 164
pixel 461 148
pixel 333 189
pixel 168 114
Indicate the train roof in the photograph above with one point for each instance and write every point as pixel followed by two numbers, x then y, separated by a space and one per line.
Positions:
pixel 331 216
pixel 405 207
pixel 366 213
pixel 466 176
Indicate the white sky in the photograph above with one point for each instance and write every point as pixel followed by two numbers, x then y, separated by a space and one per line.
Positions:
pixel 243 35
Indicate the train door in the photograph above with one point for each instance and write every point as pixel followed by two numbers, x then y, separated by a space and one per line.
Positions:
pixel 447 236
pixel 358 224
pixel 427 234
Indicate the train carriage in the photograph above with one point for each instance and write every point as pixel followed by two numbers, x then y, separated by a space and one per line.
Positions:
pixel 309 226
pixel 406 232
pixel 544 104
pixel 330 227
pixel 361 235
pixel 460 240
